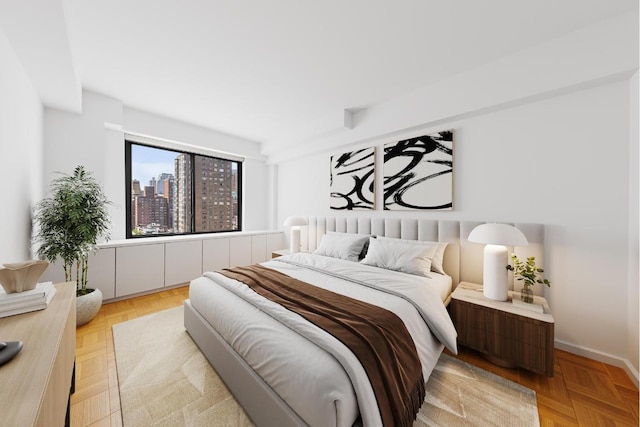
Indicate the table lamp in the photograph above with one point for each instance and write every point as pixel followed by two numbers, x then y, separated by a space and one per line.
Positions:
pixel 495 283
pixel 295 222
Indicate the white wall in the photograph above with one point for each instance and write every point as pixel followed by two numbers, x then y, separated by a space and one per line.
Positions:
pixel 605 51
pixel 542 136
pixel 157 126
pixel 21 115
pixel 254 167
pixel 562 162
pixel 95 139
pixel 81 139
pixel 255 204
pixel 634 227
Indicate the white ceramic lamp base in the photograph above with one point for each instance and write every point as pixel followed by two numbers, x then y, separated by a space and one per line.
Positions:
pixel 495 281
pixel 294 240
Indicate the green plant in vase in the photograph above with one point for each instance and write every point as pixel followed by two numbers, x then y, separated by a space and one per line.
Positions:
pixel 527 272
pixel 71 221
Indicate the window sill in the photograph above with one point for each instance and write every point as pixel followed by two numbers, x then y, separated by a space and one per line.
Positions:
pixel 188 238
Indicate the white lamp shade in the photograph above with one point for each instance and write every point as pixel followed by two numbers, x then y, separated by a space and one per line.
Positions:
pixel 294 221
pixel 498 234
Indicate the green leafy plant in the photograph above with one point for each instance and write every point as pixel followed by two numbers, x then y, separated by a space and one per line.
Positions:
pixel 71 221
pixel 527 271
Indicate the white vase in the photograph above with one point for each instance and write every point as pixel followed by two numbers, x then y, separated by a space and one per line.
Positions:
pixel 21 276
pixel 87 306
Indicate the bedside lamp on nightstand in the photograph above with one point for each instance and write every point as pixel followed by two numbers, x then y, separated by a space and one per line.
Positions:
pixel 496 257
pixel 295 222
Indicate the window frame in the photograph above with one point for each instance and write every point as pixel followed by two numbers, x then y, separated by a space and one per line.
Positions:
pixel 129 142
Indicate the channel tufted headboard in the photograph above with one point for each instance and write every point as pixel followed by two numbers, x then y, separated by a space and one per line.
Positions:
pixel 462 259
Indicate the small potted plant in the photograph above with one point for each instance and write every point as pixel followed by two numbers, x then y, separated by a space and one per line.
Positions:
pixel 527 272
pixel 71 221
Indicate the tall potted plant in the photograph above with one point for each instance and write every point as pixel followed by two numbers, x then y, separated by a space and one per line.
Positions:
pixel 71 221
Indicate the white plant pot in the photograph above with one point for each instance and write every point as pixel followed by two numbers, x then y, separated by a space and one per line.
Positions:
pixel 87 306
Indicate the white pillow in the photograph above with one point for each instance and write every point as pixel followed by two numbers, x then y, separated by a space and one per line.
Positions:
pixel 398 256
pixel 356 236
pixel 438 259
pixel 342 245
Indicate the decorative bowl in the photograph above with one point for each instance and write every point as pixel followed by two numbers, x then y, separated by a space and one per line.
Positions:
pixel 21 276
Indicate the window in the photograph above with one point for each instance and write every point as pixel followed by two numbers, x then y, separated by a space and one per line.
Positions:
pixel 173 192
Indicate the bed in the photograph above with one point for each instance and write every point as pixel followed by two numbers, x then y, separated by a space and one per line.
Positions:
pixel 286 371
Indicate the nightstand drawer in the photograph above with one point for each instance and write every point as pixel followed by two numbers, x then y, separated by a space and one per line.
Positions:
pixel 511 338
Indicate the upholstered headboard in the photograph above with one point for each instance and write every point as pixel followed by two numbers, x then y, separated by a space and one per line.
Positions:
pixel 462 259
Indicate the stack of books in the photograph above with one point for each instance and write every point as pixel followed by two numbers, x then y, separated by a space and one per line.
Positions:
pixel 24 302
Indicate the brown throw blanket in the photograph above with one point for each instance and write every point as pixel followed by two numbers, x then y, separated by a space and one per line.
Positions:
pixel 377 337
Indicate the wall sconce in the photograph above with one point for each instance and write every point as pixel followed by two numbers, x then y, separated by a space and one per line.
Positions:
pixel 495 284
pixel 295 222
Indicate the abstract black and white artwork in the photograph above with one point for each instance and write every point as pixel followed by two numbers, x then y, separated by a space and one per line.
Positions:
pixel 418 172
pixel 352 180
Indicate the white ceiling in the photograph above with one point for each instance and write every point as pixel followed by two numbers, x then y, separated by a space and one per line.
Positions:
pixel 274 70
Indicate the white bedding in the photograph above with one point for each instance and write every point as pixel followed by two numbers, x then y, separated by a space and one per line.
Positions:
pixel 289 362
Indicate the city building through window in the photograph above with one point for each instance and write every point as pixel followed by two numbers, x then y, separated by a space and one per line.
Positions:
pixel 173 192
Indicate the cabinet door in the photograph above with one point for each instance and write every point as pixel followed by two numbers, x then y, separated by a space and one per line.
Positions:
pixel 183 262
pixel 276 241
pixel 258 248
pixel 239 251
pixel 102 272
pixel 139 268
pixel 54 273
pixel 215 254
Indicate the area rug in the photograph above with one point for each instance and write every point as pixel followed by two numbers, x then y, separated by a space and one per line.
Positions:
pixel 165 380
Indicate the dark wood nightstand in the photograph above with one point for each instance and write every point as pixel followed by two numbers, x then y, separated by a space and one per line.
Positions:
pixel 279 252
pixel 505 334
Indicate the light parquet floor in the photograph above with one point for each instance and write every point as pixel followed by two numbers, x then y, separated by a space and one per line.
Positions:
pixel 96 401
pixel 583 392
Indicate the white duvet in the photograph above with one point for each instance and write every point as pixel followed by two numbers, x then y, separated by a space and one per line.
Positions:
pixel 314 373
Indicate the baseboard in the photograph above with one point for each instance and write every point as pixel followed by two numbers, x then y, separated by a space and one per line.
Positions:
pixel 149 292
pixel 600 357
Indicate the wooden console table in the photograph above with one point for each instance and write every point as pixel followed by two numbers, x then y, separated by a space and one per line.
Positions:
pixel 36 383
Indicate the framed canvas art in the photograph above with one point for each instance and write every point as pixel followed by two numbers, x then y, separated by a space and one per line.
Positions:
pixel 418 173
pixel 352 183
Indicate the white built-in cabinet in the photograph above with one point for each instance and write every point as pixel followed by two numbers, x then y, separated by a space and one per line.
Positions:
pixel 120 269
pixel 259 251
pixel 139 269
pixel 102 274
pixel 240 251
pixel 215 254
pixel 182 261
